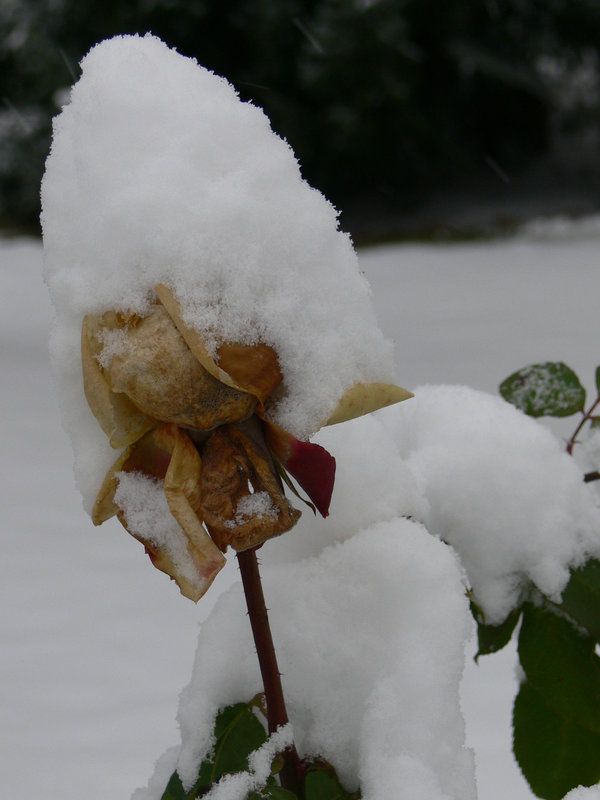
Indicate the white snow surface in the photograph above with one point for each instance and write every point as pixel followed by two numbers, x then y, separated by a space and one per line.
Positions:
pixel 158 173
pixel 584 793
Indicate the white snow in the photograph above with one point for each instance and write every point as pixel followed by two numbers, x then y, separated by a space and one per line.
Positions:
pixel 370 641
pixel 257 504
pixel 500 488
pixel 479 474
pixel 584 793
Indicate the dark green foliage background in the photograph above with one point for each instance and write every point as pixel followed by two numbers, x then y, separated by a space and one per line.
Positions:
pixel 384 101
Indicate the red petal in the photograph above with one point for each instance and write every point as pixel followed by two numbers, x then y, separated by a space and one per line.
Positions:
pixel 310 464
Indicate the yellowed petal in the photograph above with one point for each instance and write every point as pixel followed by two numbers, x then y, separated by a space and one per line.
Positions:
pixel 104 507
pixel 362 398
pixel 254 367
pixel 159 373
pixel 192 337
pixel 248 368
pixel 167 453
pixel 150 455
pixel 182 490
pixel 119 418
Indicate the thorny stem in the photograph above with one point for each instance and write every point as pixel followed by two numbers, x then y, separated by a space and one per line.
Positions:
pixel 291 773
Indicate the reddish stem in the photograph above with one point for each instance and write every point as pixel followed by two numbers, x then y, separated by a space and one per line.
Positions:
pixel 586 416
pixel 291 773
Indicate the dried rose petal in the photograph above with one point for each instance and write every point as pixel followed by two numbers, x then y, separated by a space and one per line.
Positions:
pixel 119 418
pixel 310 464
pixel 159 373
pixel 362 398
pixel 234 470
pixel 248 368
pixel 167 453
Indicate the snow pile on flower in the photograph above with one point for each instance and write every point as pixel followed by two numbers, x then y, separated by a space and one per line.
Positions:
pixel 158 174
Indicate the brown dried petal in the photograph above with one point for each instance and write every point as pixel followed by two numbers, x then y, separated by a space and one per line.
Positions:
pixel 249 368
pixel 167 453
pixel 231 463
pixel 253 367
pixel 119 418
pixel 159 373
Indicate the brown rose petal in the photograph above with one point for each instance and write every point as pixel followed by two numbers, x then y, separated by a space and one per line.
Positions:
pixel 231 464
pixel 249 368
pixel 159 373
pixel 167 453
pixel 119 418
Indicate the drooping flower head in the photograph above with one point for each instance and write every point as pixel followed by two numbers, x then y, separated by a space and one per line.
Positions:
pixel 221 314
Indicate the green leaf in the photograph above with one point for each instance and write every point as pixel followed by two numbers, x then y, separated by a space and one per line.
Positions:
pixel 559 662
pixel 273 793
pixel 581 598
pixel 174 790
pixel 554 753
pixel 238 733
pixel 322 783
pixel 540 390
pixel 492 638
pixel 598 380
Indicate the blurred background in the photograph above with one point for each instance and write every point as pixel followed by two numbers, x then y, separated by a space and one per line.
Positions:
pixel 412 116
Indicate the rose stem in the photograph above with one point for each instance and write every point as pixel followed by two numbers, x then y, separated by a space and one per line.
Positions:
pixel 276 712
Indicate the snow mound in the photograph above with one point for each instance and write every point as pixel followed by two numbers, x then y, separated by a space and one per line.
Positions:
pixel 479 474
pixel 354 629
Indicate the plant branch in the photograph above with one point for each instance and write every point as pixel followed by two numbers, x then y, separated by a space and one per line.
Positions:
pixel 586 416
pixel 291 773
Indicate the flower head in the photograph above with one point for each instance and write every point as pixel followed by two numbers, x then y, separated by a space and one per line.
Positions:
pixel 196 428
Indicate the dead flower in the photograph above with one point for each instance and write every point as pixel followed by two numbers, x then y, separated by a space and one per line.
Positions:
pixel 197 427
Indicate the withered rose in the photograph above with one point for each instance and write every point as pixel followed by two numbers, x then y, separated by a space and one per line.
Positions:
pixel 198 428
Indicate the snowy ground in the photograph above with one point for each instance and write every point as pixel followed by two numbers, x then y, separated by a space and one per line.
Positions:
pixel 97 645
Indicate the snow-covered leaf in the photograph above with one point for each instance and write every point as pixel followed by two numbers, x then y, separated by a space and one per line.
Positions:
pixel 238 733
pixel 551 389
